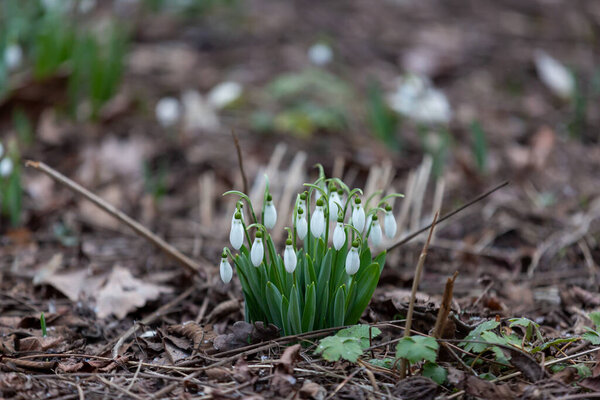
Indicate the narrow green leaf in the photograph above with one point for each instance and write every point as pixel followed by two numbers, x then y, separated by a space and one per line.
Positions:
pixel 365 287
pixel 287 328
pixel 308 316
pixel 294 312
pixel 339 306
pixel 274 301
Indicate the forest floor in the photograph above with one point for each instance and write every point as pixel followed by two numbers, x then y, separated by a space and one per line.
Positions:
pixel 126 320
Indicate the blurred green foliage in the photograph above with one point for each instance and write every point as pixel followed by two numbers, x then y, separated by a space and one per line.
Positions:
pixel 479 147
pixel 382 120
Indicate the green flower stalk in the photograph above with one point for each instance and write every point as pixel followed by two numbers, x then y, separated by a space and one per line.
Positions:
pixel 326 274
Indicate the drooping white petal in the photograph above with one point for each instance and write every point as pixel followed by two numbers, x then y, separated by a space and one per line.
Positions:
pixel 554 75
pixel 6 167
pixel 334 199
pixel 320 54
pixel 225 270
pixel 358 218
pixel 375 234
pixel 289 259
pixel 317 222
pixel 257 252
pixel 236 235
pixel 302 227
pixel 389 225
pixel 352 261
pixel 270 215
pixel 339 236
pixel 224 94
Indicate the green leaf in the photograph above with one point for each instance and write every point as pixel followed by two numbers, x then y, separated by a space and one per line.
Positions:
pixel 339 306
pixel 294 311
pixel 417 348
pixel 308 317
pixel 365 287
pixel 531 328
pixel 595 317
pixel 384 363
pixel 435 372
pixel 335 347
pixel 361 332
pixel 554 342
pixel 591 336
pixel 274 302
pixel 287 328
pixel 475 334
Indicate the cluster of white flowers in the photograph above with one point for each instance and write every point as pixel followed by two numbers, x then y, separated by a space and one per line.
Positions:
pixel 6 163
pixel 362 226
pixel 416 98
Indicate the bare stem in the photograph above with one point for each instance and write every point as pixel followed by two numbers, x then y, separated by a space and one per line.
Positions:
pixel 413 293
pixel 236 142
pixel 112 210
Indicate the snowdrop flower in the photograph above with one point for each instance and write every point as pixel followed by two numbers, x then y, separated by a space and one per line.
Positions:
pixel 417 99
pixel 258 250
pixel 317 221
pixel 270 213
pixel 375 234
pixel 289 257
pixel 6 167
pixel 389 223
pixel 167 111
pixel 13 56
pixel 358 215
pixel 224 94
pixel 339 234
pixel 225 268
pixel 239 207
pixel 320 54
pixel 334 208
pixel 353 260
pixel 236 235
pixel 554 75
pixel 301 224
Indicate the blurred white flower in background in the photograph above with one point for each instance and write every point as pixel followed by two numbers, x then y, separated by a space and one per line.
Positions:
pixel 13 56
pixel 554 75
pixel 6 167
pixel 416 98
pixel 168 111
pixel 199 114
pixel 224 94
pixel 320 54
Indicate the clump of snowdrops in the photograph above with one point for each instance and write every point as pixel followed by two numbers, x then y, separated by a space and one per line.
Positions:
pixel 326 274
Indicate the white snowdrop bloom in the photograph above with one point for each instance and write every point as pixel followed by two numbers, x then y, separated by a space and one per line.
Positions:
pixel 554 75
pixel 289 257
pixel 317 220
pixel 13 56
pixel 389 223
pixel 236 235
pixel 358 215
pixel 375 234
pixel 301 225
pixel 225 269
pixel 339 235
pixel 224 94
pixel 6 167
pixel 258 250
pixel 417 99
pixel 167 111
pixel 270 215
pixel 238 208
pixel 353 260
pixel 320 54
pixel 334 208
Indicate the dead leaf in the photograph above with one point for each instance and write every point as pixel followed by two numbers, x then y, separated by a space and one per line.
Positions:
pixel 70 366
pixel 526 364
pixel 242 372
pixel 288 359
pixel 312 390
pixel 238 338
pixel 487 390
pixel 124 293
pixel 223 309
pixel 174 353
pixel 542 144
pixel 219 374
pixel 202 337
pixel 33 343
pixel 416 387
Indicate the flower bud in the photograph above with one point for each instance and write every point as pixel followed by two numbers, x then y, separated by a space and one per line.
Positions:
pixel 389 223
pixel 236 235
pixel 375 234
pixel 353 260
pixel 6 167
pixel 301 224
pixel 289 257
pixel 225 269
pixel 334 208
pixel 358 215
pixel 270 215
pixel 339 235
pixel 258 250
pixel 317 221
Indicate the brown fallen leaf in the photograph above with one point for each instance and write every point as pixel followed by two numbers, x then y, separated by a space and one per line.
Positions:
pixel 202 337
pixel 219 374
pixel 526 364
pixel 70 366
pixel 312 390
pixel 416 387
pixel 33 343
pixel 283 379
pixel 541 146
pixel 124 293
pixel 483 389
pixel 288 359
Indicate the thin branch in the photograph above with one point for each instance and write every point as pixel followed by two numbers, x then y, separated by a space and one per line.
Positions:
pixel 413 293
pixel 445 217
pixel 238 148
pixel 112 210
